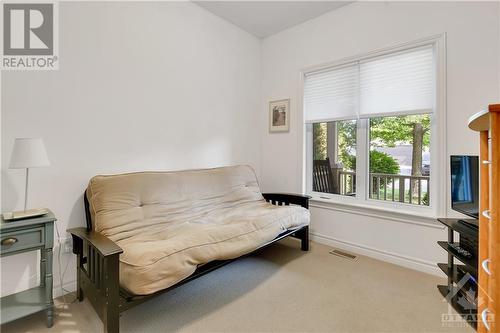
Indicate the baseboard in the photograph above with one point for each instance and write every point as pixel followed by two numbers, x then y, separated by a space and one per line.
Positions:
pixel 398 259
pixel 69 287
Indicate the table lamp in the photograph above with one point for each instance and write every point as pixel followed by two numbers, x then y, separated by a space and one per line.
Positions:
pixel 28 153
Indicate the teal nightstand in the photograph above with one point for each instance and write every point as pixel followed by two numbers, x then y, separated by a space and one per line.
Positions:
pixel 24 236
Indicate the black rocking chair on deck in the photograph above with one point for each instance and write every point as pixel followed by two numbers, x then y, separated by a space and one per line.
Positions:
pixel 323 180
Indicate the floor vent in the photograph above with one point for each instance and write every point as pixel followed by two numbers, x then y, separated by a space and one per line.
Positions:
pixel 343 254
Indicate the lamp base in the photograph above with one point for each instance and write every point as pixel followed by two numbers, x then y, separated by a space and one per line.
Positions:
pixel 24 214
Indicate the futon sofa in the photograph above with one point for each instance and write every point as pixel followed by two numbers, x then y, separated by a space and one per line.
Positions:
pixel 149 232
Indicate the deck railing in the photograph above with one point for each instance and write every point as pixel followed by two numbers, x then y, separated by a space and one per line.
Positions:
pixel 389 187
pixel 347 182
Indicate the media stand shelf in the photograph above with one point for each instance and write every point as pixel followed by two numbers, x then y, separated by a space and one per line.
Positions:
pixel 456 273
pixel 460 304
pixel 470 262
pixel 462 226
pixel 461 289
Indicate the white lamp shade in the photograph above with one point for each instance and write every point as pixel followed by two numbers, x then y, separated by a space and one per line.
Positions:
pixel 29 153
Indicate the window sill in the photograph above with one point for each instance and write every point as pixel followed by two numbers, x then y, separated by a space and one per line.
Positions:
pixel 397 214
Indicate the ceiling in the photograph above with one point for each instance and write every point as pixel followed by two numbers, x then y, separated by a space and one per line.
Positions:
pixel 265 18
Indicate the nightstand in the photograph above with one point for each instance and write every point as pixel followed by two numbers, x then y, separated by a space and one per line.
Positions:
pixel 23 236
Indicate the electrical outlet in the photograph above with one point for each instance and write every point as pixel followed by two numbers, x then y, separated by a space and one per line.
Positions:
pixel 66 245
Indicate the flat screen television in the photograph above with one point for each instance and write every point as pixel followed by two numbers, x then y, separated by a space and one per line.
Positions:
pixel 465 185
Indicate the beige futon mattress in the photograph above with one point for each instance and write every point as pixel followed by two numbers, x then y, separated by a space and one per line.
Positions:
pixel 168 223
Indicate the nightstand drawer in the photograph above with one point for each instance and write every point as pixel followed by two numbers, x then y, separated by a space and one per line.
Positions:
pixel 22 240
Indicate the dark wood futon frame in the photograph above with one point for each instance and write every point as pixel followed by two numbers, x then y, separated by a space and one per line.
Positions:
pixel 98 262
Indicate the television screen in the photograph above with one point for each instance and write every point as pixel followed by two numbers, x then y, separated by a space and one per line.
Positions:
pixel 465 185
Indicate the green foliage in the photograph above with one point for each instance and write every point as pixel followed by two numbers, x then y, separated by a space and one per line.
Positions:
pixel 346 135
pixel 348 160
pixel 379 163
pixel 383 163
pixel 390 131
pixel 384 132
pixel 425 199
pixel 319 141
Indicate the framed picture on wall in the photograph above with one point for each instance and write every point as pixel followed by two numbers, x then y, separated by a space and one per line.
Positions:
pixel 279 116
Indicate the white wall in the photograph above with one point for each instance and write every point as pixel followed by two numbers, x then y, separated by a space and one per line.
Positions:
pixel 141 86
pixel 472 31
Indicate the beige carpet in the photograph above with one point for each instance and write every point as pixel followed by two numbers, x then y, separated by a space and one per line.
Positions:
pixel 280 290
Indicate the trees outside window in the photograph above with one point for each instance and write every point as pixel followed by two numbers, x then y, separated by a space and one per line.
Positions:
pixel 398 146
pixel 393 131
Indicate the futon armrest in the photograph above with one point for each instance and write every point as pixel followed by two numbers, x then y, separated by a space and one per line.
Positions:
pixel 103 244
pixel 287 198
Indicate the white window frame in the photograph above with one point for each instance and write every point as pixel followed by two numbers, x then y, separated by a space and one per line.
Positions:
pixel 438 153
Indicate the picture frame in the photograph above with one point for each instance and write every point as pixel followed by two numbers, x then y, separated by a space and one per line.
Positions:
pixel 279 116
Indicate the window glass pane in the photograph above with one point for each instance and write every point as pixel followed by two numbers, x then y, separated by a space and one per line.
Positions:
pixel 400 159
pixel 334 157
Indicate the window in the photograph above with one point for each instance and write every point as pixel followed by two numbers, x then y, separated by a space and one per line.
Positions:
pixel 334 154
pixel 369 128
pixel 400 159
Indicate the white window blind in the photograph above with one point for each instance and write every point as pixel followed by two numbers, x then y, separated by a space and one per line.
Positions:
pixel 399 83
pixel 332 94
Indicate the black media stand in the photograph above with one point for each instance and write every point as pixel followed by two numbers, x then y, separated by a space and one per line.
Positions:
pixel 461 290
